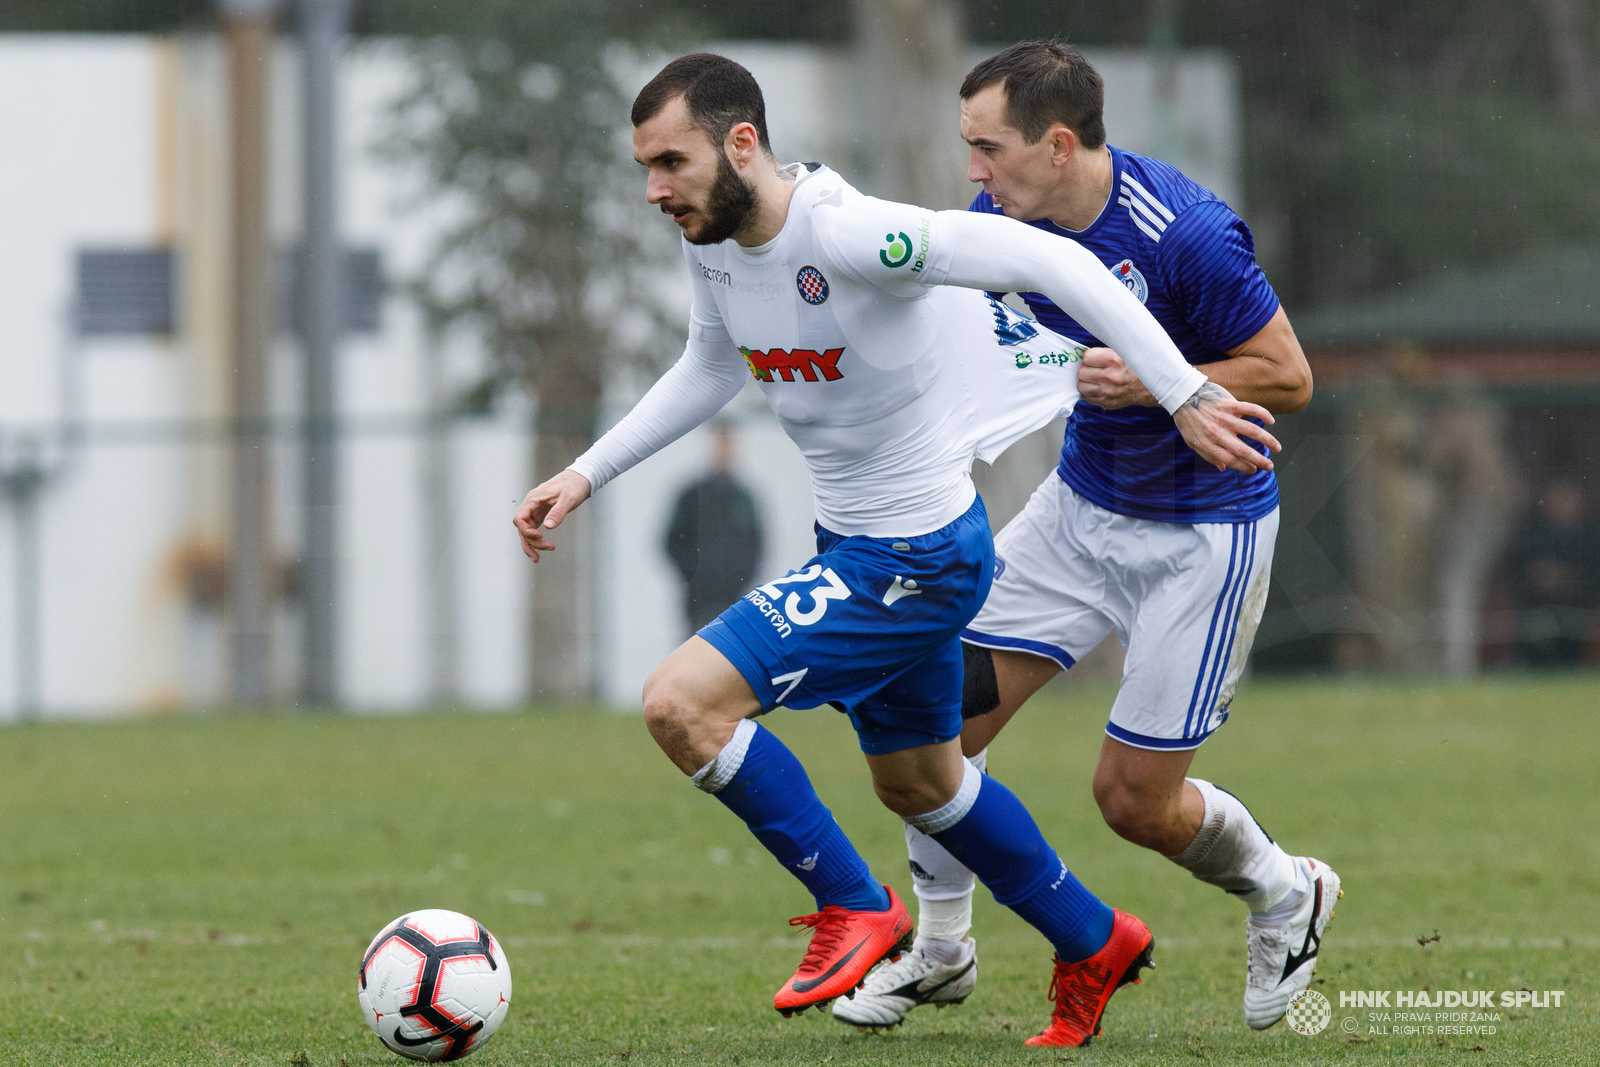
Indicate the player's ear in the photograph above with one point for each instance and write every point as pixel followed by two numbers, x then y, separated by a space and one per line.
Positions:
pixel 743 142
pixel 1063 142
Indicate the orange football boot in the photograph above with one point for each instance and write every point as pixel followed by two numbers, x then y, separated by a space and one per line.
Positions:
pixel 1082 989
pixel 844 947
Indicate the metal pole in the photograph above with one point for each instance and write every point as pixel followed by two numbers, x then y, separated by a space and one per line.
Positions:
pixel 439 534
pixel 248 29
pixel 322 290
pixel 23 483
pixel 1166 139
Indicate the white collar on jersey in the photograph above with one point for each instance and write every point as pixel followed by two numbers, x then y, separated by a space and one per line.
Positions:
pixel 800 173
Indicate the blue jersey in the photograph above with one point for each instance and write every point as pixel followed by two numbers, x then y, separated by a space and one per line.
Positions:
pixel 1191 261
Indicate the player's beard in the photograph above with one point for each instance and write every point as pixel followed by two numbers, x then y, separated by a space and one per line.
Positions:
pixel 729 203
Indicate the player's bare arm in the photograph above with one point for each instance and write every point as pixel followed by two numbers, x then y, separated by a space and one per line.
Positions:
pixel 1269 369
pixel 543 509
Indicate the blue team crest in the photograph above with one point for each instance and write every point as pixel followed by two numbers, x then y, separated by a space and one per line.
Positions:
pixel 1129 275
pixel 812 285
pixel 1011 328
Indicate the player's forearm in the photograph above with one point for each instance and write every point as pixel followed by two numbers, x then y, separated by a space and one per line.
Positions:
pixel 998 254
pixel 697 387
pixel 1269 369
pixel 1261 381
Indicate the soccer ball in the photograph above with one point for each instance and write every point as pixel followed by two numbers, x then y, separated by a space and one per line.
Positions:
pixel 434 985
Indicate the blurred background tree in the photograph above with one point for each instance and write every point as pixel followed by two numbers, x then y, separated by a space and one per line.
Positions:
pixel 1383 142
pixel 517 120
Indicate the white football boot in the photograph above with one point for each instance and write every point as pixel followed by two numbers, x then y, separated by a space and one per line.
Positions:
pixel 1283 957
pixel 898 985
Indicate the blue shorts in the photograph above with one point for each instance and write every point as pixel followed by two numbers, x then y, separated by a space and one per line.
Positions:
pixel 870 625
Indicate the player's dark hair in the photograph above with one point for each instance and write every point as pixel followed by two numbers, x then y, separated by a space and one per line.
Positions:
pixel 1045 82
pixel 719 92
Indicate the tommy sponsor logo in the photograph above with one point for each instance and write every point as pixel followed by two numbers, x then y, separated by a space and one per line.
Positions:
pixel 811 365
pixel 715 277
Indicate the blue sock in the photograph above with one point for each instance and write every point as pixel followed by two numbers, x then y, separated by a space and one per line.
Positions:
pixel 999 842
pixel 770 791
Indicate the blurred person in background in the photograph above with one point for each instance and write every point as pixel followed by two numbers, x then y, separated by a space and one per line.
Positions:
pixel 1551 567
pixel 714 538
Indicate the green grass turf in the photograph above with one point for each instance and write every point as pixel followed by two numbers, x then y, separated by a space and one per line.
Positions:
pixel 199 890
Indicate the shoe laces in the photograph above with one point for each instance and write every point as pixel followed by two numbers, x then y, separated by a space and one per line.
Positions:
pixel 1265 945
pixel 828 926
pixel 1076 989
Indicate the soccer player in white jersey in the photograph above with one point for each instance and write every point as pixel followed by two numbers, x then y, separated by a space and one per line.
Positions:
pixel 1131 533
pixel 865 325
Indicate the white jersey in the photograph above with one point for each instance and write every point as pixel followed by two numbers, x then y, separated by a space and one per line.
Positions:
pixel 889 380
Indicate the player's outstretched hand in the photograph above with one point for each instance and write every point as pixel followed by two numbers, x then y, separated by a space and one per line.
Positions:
pixel 545 507
pixel 1213 424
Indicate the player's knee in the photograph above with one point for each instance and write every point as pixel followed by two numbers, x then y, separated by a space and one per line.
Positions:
pixel 911 797
pixel 1130 813
pixel 1124 810
pixel 668 705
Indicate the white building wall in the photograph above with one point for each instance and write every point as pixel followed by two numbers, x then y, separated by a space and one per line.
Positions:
pixel 118 633
pixel 85 118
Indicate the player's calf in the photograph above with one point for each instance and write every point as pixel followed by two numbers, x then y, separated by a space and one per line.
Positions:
pixel 1143 796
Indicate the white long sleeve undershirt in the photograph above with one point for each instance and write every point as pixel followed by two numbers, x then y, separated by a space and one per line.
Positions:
pixel 884 455
pixel 695 388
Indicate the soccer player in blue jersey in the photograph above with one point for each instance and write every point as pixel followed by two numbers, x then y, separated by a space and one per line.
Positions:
pixel 1131 533
pixel 885 363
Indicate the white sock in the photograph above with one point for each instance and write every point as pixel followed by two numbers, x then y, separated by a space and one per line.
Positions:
pixel 1231 851
pixel 944 918
pixel 715 776
pixel 1285 909
pixel 943 885
pixel 948 953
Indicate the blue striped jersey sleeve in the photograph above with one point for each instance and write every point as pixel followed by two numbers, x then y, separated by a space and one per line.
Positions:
pixel 1207 259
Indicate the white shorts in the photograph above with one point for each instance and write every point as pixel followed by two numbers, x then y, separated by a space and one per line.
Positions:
pixel 1185 601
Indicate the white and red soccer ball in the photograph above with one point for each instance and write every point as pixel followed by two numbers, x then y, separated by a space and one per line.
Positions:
pixel 434 985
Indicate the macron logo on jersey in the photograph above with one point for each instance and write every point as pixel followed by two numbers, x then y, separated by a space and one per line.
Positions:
pixel 786 362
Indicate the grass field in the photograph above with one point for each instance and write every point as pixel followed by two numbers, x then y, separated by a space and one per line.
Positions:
pixel 198 890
